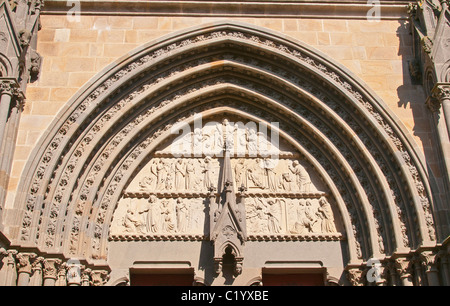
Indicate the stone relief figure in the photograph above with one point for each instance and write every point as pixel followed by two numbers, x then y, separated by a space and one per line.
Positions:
pixel 239 173
pixel 167 226
pixel 286 182
pixel 306 218
pixel 252 141
pixel 145 183
pixel 182 216
pixel 180 174
pixel 254 173
pixel 207 172
pixel 143 211
pixel 256 217
pixel 190 176
pixel 198 140
pixel 154 171
pixel 302 177
pixel 269 167
pixel 273 212
pixel 161 170
pixel 131 222
pixel 326 214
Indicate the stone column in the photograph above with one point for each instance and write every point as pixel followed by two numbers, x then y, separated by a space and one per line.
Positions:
pixel 382 271
pixel 392 273
pixel 7 90
pixel 403 267
pixel 24 268
pixel 11 271
pixel 429 261
pixel 51 267
pixel 36 272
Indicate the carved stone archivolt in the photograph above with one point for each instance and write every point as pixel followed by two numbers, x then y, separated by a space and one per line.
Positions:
pixel 349 153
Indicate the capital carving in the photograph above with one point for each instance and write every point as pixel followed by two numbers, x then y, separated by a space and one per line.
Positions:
pixel 37 264
pixel 11 256
pixel 428 260
pixel 441 92
pixel 51 267
pixel 354 276
pixel 403 267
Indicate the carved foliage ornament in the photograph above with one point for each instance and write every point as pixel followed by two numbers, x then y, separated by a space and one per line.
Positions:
pixel 58 140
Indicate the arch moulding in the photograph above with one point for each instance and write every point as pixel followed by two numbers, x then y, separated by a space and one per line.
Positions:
pixel 107 132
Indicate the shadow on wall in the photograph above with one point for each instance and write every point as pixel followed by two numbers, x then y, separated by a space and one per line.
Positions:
pixel 411 94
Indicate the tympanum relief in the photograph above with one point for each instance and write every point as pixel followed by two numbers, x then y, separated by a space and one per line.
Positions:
pixel 170 196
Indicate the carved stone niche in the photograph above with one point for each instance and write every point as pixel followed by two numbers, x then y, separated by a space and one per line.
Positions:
pixel 282 193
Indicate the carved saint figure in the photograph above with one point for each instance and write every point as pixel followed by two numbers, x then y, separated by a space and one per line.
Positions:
pixel 302 177
pixel 161 175
pixel 239 172
pixel 269 167
pixel 182 216
pixel 190 176
pixel 255 216
pixel 273 212
pixel 168 226
pixel 326 214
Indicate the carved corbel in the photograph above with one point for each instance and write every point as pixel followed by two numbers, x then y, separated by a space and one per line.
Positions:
pixel 218 265
pixel 238 266
pixel 24 38
pixel 35 67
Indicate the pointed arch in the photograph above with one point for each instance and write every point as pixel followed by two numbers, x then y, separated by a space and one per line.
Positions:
pixel 106 132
